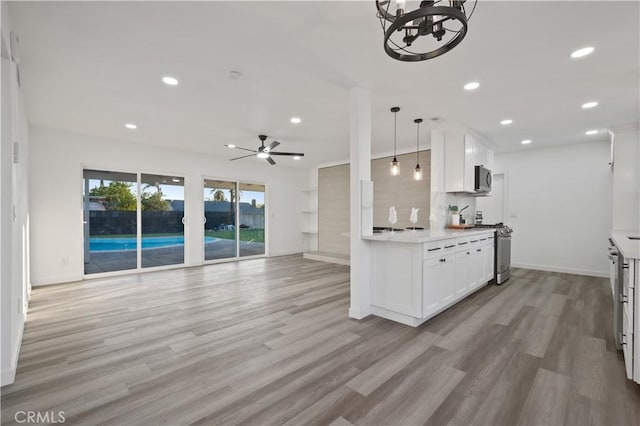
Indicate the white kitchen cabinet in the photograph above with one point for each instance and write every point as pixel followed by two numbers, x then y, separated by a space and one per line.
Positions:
pixel 438 283
pixel 462 153
pixel 489 260
pixel 411 281
pixel 462 272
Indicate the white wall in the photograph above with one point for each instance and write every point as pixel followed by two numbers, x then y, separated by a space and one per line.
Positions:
pixel 14 210
pixel 57 160
pixel 626 181
pixel 562 199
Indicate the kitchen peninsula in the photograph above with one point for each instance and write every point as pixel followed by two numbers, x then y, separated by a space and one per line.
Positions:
pixel 417 274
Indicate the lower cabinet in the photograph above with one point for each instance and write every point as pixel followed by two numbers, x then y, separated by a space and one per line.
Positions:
pixel 438 283
pixel 462 272
pixel 412 282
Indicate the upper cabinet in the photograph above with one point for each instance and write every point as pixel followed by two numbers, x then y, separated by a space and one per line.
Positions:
pixel 462 153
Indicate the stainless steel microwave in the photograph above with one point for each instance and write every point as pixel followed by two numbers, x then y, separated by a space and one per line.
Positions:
pixel 483 179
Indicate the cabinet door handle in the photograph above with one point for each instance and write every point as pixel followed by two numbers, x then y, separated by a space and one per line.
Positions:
pixel 468 253
pixel 474 241
pixel 623 338
pixel 450 246
pixel 478 249
pixel 461 244
pixel 624 298
pixel 434 249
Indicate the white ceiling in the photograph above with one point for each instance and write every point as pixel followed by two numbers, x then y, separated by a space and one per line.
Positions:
pixel 91 67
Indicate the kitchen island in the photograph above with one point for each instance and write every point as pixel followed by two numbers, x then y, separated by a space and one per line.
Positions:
pixel 415 275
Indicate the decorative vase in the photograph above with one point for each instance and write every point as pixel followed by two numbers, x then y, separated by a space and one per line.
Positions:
pixel 455 219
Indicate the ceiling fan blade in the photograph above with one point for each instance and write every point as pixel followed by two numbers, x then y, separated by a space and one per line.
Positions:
pixel 244 149
pixel 270 160
pixel 244 156
pixel 296 154
pixel 272 145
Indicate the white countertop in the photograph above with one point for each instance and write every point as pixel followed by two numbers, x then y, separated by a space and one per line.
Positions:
pixel 417 237
pixel 630 248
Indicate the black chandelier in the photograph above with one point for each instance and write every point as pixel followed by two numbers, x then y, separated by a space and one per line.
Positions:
pixel 445 20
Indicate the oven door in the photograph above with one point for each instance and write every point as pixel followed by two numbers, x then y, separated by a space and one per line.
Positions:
pixel 614 278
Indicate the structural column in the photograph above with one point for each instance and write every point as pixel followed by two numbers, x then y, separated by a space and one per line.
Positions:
pixel 360 175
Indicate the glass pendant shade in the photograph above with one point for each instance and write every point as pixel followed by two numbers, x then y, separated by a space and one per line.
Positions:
pixel 417 172
pixel 395 167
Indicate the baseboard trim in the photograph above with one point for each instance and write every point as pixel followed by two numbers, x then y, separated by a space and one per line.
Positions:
pixel 55 281
pixel 285 253
pixel 359 313
pixel 9 377
pixel 327 257
pixel 572 271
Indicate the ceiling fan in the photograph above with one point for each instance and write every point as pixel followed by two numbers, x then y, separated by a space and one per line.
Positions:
pixel 265 151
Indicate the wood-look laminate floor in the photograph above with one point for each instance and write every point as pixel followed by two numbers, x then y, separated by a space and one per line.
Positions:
pixel 268 341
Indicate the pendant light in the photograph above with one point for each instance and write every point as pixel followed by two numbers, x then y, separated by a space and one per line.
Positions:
pixel 417 172
pixel 395 166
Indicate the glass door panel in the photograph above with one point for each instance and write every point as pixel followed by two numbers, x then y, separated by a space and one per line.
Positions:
pixel 220 233
pixel 162 205
pixel 251 219
pixel 110 221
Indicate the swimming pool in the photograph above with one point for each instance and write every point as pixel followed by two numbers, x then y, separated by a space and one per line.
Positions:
pixel 130 243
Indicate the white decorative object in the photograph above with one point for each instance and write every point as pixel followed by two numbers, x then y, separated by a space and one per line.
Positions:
pixel 413 218
pixel 455 219
pixel 393 216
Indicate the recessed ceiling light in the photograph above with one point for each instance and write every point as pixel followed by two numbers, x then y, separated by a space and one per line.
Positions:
pixel 471 86
pixel 526 142
pixel 591 132
pixel 505 122
pixel 589 105
pixel 230 146
pixel 170 81
pixel 131 126
pixel 296 120
pixel 582 52
pixel 296 157
pixel 235 75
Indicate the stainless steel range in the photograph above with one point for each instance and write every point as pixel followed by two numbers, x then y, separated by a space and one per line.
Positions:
pixel 502 265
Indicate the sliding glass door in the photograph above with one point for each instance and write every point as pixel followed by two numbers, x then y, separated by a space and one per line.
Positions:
pixel 234 219
pixel 132 221
pixel 162 207
pixel 110 221
pixel 251 219
pixel 220 233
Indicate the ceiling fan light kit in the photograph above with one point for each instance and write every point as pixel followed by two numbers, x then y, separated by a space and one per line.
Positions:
pixel 265 152
pixel 444 20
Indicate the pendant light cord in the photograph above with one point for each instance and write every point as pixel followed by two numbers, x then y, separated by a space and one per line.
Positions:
pixel 418 146
pixel 395 133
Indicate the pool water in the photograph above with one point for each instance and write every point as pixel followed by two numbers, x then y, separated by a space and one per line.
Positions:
pixel 130 243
